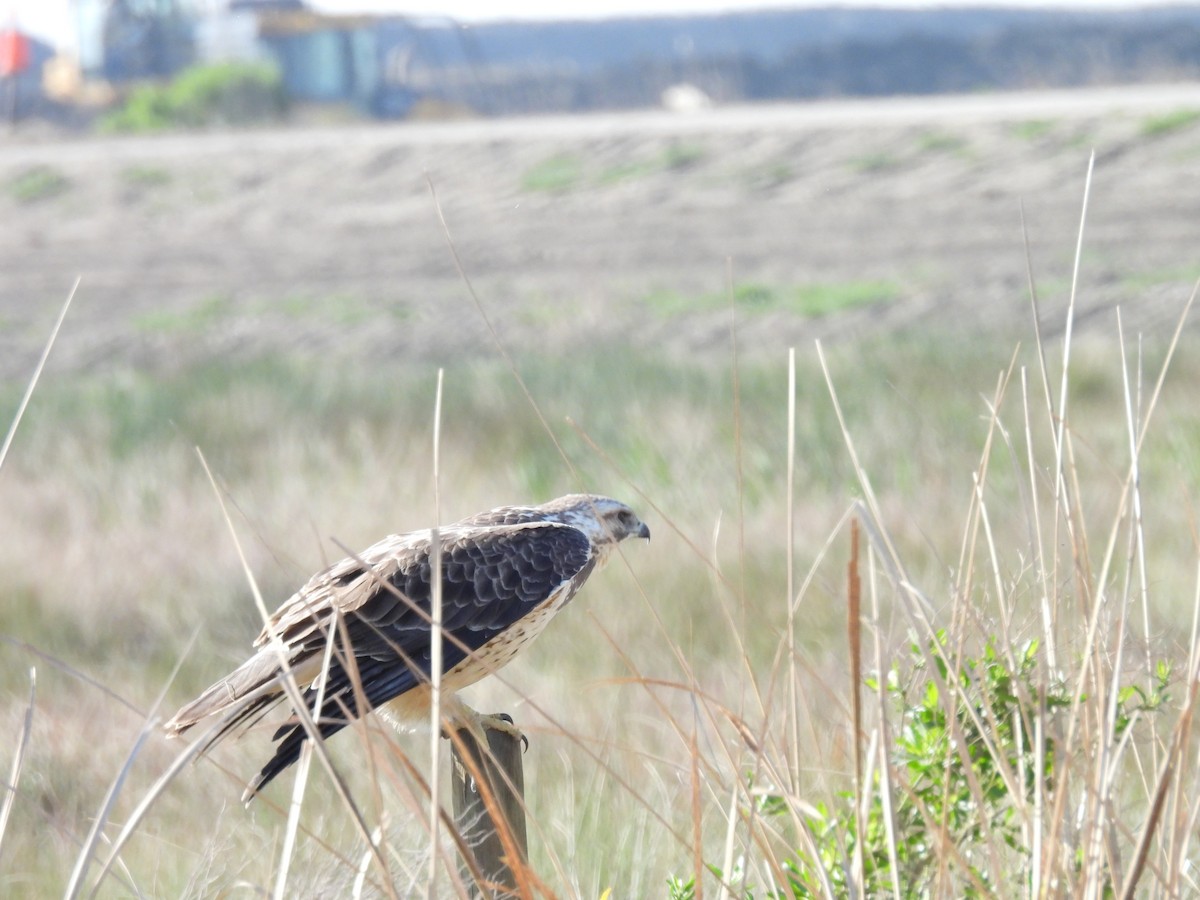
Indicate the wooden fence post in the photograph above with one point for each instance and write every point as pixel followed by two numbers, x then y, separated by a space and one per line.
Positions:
pixel 490 816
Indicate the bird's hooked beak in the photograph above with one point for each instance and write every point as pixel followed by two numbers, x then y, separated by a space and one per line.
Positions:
pixel 643 531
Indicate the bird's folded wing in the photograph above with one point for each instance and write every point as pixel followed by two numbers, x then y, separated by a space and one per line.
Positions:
pixel 492 577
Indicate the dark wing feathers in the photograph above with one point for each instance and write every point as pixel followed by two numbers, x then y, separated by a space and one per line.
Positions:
pixel 493 575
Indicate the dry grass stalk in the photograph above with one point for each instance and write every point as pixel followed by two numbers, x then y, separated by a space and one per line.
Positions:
pixel 37 374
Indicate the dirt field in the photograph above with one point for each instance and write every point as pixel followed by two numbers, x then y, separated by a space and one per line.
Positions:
pixel 326 240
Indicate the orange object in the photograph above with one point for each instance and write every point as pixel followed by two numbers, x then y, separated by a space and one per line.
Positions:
pixel 14 52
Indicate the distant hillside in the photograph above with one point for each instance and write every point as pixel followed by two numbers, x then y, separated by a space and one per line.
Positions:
pixel 621 63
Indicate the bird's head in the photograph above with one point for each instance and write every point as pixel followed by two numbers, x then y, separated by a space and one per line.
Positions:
pixel 605 521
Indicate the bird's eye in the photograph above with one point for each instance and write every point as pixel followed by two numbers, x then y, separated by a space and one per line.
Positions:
pixel 625 517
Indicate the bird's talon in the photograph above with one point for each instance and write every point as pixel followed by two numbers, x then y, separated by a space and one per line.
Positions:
pixel 515 732
pixel 501 722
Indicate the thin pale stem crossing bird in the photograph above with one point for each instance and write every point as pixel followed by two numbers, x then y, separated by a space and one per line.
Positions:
pixel 505 573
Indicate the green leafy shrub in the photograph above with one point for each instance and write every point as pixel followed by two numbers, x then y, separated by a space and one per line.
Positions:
pixel 964 764
pixel 204 96
pixel 945 788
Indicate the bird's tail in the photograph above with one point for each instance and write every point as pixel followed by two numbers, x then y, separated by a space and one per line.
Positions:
pixel 254 683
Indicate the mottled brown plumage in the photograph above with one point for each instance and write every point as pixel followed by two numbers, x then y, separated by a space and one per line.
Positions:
pixel 504 574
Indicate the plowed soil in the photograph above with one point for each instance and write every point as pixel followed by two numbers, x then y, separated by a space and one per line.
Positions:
pixel 326 241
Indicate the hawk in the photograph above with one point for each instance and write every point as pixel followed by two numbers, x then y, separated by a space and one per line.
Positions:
pixel 504 574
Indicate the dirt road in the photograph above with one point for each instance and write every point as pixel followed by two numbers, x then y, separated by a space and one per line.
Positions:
pixel 323 240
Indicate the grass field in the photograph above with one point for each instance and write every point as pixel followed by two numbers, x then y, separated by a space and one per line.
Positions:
pixel 674 723
pixel 1016 715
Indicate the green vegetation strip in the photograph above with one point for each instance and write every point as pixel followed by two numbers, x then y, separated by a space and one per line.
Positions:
pixel 565 172
pixel 810 300
pixel 1167 123
pixel 554 175
pixel 37 183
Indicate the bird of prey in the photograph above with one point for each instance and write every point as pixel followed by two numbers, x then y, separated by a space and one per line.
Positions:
pixel 504 574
